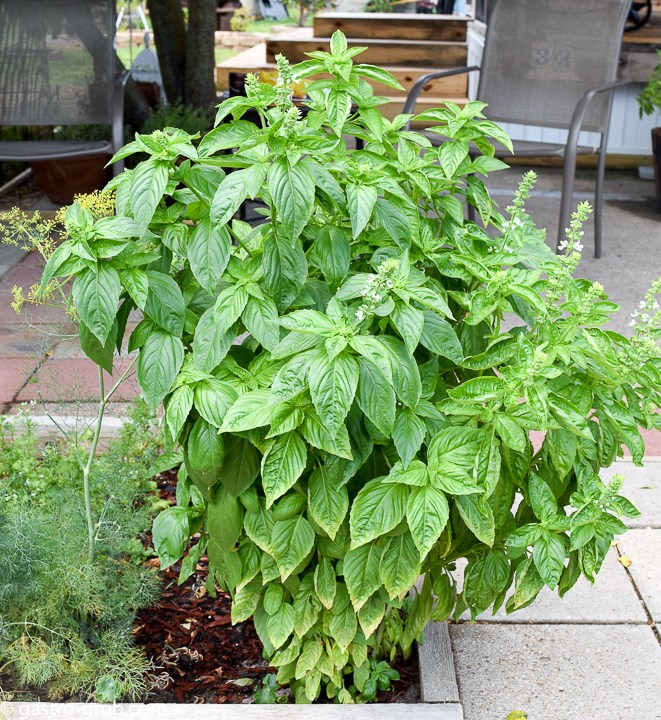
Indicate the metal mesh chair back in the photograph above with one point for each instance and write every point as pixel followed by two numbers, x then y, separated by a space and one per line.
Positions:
pixel 57 62
pixel 542 56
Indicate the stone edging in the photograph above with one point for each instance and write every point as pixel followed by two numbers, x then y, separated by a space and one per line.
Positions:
pixel 176 711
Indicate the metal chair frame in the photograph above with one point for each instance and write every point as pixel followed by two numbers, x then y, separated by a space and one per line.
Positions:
pixel 112 146
pixel 571 146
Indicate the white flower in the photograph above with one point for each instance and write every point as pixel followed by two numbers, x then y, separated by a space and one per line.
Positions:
pixel 655 305
pixel 578 247
pixel 632 323
pixel 642 304
pixel 364 292
pixel 360 315
pixel 562 245
pixel 633 314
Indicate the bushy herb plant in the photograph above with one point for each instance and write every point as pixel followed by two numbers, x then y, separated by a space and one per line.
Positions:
pixel 350 411
pixel 65 622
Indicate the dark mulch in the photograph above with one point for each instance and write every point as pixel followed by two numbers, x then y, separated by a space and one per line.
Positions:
pixel 197 652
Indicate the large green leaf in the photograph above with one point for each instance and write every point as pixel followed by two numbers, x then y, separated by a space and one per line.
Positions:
pixel 229 306
pixel 332 387
pixel 291 540
pixel 325 583
pixel 224 519
pixel 283 463
pixel 209 345
pixel 361 572
pixel 377 509
pixel 405 373
pixel 148 183
pixel 316 433
pixel 376 396
pixel 95 296
pixel 439 337
pixel 101 353
pixel 408 433
pixel 427 513
pixel 477 516
pixel 250 410
pixel 260 318
pixel 285 269
pixel 165 303
pixel 230 194
pixel 281 625
pixel 328 503
pixel 170 534
pixel 208 252
pixel 334 253
pixel 361 200
pixel 371 614
pixel 159 362
pixel 394 222
pixel 205 452
pixel 240 465
pixel 179 405
pixel 400 566
pixel 409 323
pixel 213 398
pixel 549 558
pixel 291 188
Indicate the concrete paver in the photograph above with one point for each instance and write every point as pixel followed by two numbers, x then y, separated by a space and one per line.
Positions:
pixel 558 672
pixel 611 599
pixel 70 380
pixel 642 486
pixel 643 548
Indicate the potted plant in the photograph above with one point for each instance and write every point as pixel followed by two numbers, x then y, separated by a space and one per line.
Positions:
pixel 649 100
pixel 346 409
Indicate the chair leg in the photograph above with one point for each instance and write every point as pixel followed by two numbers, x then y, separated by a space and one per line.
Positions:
pixel 599 196
pixel 567 186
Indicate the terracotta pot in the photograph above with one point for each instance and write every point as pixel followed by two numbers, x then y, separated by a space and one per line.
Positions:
pixel 64 178
pixel 656 160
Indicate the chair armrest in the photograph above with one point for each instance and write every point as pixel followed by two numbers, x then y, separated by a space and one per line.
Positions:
pixel 582 106
pixel 122 76
pixel 415 91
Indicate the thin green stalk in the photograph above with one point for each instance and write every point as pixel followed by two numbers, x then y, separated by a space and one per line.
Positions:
pixel 88 467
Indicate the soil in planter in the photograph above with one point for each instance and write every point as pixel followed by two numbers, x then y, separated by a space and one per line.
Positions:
pixel 199 655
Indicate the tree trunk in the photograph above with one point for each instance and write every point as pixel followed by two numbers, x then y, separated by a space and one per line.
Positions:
pixel 167 20
pixel 200 61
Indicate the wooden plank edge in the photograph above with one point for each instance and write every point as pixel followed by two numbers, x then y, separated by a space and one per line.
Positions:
pixel 438 680
pixel 183 711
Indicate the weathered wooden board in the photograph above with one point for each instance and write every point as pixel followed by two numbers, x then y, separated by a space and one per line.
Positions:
pixel 254 61
pixel 174 711
pixel 402 26
pixel 417 53
pixel 438 681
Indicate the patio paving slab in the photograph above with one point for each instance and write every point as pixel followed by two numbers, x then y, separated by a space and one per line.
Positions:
pixel 612 599
pixel 558 672
pixel 643 487
pixel 69 379
pixel 643 547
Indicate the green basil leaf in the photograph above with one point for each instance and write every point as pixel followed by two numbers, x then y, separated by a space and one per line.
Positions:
pixel 159 362
pixel 208 252
pixel 328 503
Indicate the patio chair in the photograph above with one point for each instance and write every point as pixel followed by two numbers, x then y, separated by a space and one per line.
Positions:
pixel 57 67
pixel 550 63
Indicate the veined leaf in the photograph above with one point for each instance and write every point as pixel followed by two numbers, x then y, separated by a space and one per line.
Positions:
pixel 208 251
pixel 96 295
pixel 376 396
pixel 283 463
pixel 158 365
pixel 292 189
pixel 377 509
pixel 400 567
pixel 361 200
pixel 427 513
pixel 328 503
pixel 332 387
pixel 361 572
pixel 292 540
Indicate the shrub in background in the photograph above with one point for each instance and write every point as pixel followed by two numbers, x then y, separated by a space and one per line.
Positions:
pixel 349 411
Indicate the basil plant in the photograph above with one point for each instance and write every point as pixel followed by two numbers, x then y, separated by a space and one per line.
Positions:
pixel 350 384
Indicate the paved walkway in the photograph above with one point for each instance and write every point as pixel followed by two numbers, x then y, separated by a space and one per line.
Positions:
pixel 597 652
